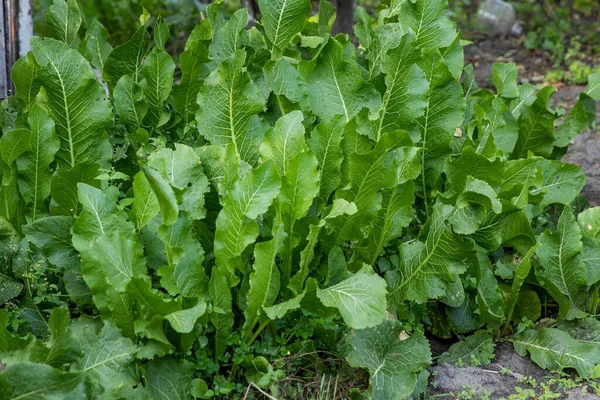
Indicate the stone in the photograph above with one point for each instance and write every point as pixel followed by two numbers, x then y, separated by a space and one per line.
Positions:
pixel 497 18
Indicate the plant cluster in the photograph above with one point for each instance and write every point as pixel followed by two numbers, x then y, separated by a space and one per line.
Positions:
pixel 291 194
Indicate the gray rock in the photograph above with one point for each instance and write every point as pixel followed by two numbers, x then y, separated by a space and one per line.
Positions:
pixel 497 18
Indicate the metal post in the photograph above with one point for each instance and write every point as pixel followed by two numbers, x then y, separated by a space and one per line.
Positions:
pixel 15 29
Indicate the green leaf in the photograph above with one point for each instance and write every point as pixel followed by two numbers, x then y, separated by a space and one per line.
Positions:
pixel 338 208
pixel 361 299
pixel 95 47
pixel 585 330
pixel 23 77
pixel 443 115
pixel 589 222
pixel 164 193
pixel 52 235
pixel 406 88
pixel 367 175
pixel 477 350
pixel 395 214
pixel 562 182
pixel 580 116
pixel 520 274
pixel 562 272
pixel 284 80
pixel 536 126
pixel 264 281
pixel 429 22
pixel 75 101
pixel 158 72
pixel 505 77
pixel 284 141
pixel 229 102
pixel 300 186
pixel 593 87
pixel 9 288
pixel 191 63
pixel 472 206
pixel 183 321
pixel 489 297
pixel 183 171
pixel 14 143
pixel 107 357
pixel 282 20
pixel 427 268
pixel 145 203
pixel 236 226
pixel 130 103
pixel 169 378
pixel 221 299
pixel 229 37
pixel 62 347
pixel 64 18
pixel 335 85
pixel 34 166
pixel 279 310
pixel 393 364
pixel 118 255
pixel 126 59
pixel 25 380
pixel 185 274
pixel 64 187
pixel 325 145
pixel 554 349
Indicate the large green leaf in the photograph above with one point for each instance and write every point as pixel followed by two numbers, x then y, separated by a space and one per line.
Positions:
pixel 406 88
pixel 158 72
pixel 75 101
pixel 361 299
pixel 284 141
pixel 335 85
pixel 191 62
pixel 554 349
pixel 427 268
pixel 23 77
pixel 392 361
pixel 34 166
pixel 477 349
pixel 282 19
pixel 25 380
pixel 264 281
pixel 169 378
pixel 562 272
pixel 325 144
pixel 236 227
pixel 536 126
pixel 229 102
pixel 427 19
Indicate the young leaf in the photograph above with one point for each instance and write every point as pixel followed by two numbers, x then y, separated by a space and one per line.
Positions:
pixel 229 36
pixel 536 126
pixel 284 141
pixel 130 103
pixel 429 22
pixel 392 363
pixel 325 145
pixel 64 18
pixel 145 203
pixel 23 77
pixel 191 62
pixel 520 274
pixel 95 47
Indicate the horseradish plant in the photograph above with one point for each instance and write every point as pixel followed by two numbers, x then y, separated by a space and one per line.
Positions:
pixel 186 211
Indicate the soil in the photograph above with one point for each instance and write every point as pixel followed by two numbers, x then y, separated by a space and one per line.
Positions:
pixel 508 374
pixel 585 150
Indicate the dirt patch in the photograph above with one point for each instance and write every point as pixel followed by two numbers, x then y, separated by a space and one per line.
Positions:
pixel 509 374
